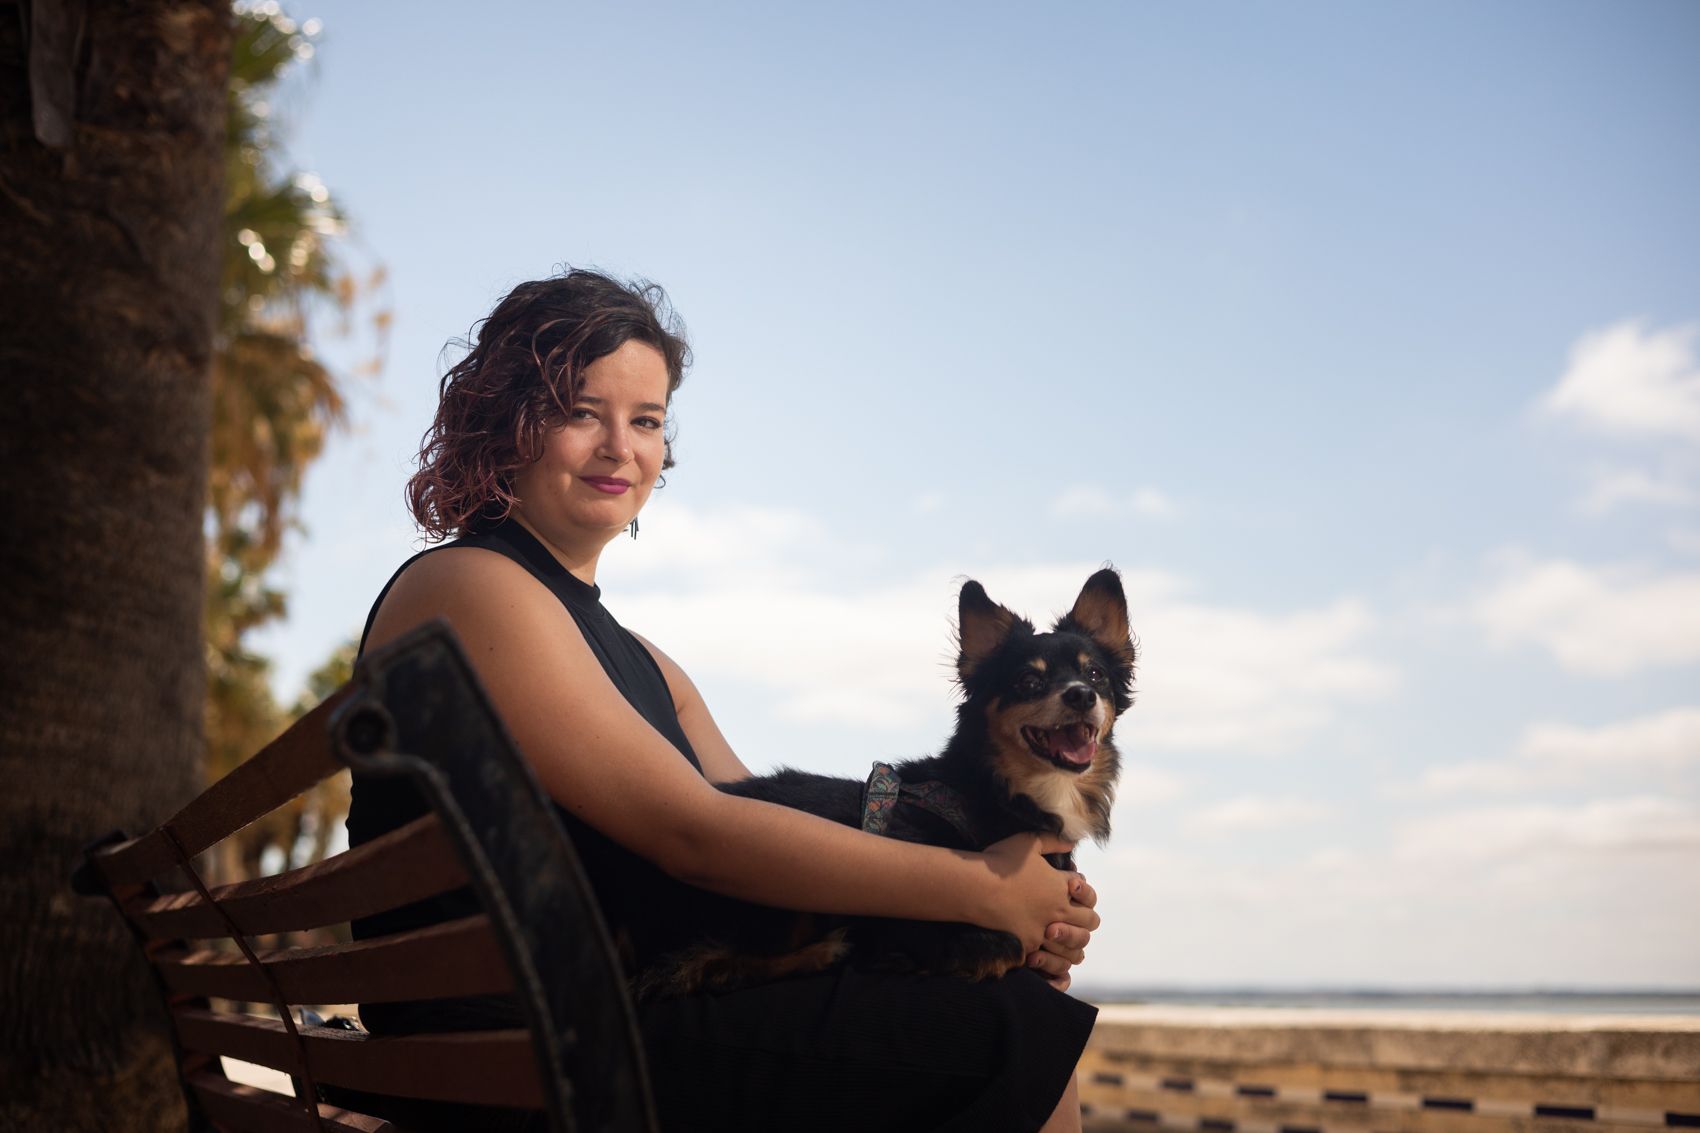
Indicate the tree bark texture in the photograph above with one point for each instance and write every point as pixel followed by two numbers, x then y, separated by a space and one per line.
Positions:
pixel 112 128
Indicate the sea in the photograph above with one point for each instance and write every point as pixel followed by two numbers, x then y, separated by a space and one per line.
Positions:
pixel 1568 1002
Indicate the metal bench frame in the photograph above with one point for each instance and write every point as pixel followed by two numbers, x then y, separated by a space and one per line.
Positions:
pixel 413 709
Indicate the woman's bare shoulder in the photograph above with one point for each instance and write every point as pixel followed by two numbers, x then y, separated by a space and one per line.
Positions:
pixel 454 564
pixel 461 584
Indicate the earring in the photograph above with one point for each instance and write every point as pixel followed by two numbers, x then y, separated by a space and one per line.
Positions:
pixel 632 527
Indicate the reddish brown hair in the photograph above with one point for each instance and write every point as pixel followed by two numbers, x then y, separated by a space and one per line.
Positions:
pixel 520 376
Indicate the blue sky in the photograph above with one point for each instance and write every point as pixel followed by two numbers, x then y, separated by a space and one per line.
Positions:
pixel 1363 339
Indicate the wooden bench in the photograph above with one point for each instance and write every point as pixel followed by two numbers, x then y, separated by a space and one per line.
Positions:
pixel 413 709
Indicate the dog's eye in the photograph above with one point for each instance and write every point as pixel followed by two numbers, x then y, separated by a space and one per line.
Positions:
pixel 1096 676
pixel 1029 683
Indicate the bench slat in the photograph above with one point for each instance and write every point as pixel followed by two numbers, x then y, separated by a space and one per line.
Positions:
pixel 260 1111
pixel 407 864
pixel 450 959
pixel 281 770
pixel 478 1067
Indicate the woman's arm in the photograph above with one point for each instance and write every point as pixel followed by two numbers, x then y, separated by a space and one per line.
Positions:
pixel 719 762
pixel 1064 944
pixel 595 755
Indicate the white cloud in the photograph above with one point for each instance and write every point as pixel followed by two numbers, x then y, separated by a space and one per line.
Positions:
pixel 1142 785
pixel 930 503
pixel 1557 755
pixel 1094 502
pixel 745 598
pixel 737 542
pixel 1084 500
pixel 1150 502
pixel 1602 894
pixel 1610 488
pixel 875 658
pixel 1632 381
pixel 1496 834
pixel 1603 622
pixel 1254 812
pixel 1665 740
pixel 1684 540
pixel 876 654
pixel 1243 680
pixel 1484 777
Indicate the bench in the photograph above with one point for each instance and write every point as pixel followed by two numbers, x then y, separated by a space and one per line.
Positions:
pixel 412 709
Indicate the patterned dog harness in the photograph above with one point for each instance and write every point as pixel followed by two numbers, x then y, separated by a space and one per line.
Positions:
pixel 884 790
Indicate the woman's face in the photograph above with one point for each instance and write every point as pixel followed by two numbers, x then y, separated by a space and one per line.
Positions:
pixel 599 466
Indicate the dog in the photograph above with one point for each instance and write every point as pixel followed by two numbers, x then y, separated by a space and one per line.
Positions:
pixel 1032 751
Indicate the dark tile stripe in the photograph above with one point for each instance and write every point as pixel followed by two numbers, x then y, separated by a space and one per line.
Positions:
pixel 1255 1091
pixel 1356 1097
pixel 1145 1116
pixel 1183 1085
pixel 1683 1120
pixel 1106 1079
pixel 1216 1124
pixel 1462 1105
pixel 1575 1112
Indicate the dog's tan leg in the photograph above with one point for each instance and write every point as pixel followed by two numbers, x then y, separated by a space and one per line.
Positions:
pixel 714 967
pixel 729 971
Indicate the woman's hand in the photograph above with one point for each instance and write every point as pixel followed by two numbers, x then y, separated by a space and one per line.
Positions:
pixel 1065 943
pixel 1032 895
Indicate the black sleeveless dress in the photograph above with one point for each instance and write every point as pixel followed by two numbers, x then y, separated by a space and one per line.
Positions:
pixel 842 1050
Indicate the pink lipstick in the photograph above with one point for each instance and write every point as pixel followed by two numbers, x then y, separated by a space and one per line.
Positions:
pixel 613 485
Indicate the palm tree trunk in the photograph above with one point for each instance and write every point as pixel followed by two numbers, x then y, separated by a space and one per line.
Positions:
pixel 112 123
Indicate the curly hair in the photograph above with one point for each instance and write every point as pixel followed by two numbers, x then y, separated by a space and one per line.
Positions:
pixel 521 373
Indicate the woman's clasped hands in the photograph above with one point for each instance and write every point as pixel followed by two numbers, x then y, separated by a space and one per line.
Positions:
pixel 1051 911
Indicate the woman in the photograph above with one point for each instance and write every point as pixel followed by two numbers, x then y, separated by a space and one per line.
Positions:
pixel 550 435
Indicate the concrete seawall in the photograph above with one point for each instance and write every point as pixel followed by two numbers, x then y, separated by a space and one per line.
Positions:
pixel 1273 1070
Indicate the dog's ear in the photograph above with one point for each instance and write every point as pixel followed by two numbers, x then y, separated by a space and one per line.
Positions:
pixel 1101 611
pixel 981 626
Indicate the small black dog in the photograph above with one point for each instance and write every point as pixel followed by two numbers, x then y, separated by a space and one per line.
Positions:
pixel 1032 752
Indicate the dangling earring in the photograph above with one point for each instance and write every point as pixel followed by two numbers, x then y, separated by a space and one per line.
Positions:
pixel 633 527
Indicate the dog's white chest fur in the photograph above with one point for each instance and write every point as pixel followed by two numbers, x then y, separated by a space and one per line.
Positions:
pixel 1057 794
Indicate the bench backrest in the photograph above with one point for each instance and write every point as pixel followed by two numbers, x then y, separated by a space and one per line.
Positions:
pixel 413 709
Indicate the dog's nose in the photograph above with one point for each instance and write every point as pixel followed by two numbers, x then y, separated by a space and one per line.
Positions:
pixel 1079 697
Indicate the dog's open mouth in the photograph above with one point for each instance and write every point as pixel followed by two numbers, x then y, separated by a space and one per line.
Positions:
pixel 1070 746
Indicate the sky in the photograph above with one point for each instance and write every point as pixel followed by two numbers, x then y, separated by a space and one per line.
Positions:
pixel 1363 339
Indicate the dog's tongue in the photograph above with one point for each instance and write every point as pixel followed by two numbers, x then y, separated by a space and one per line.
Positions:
pixel 1075 743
